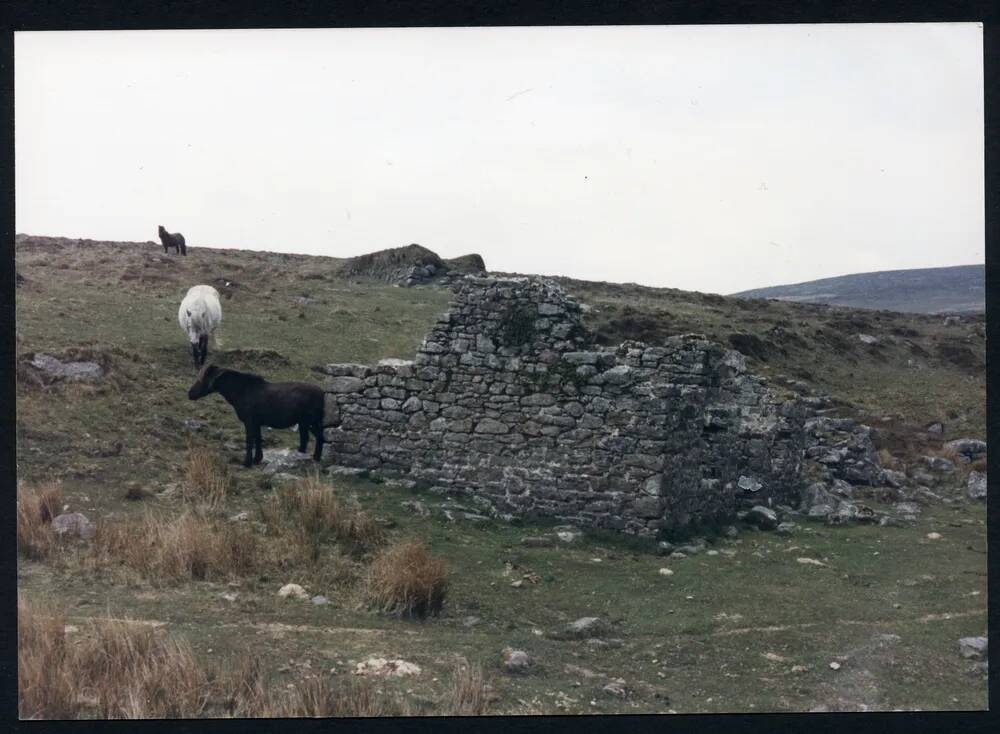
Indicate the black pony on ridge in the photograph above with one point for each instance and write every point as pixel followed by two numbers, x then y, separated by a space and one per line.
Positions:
pixel 173 240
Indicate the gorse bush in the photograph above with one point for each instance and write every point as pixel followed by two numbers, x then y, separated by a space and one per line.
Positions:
pixel 406 580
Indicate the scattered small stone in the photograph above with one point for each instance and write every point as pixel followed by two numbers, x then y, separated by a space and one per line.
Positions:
pixel 615 687
pixel 678 555
pixel 664 548
pixel 243 516
pixel 580 629
pixel 935 428
pixel 292 590
pixel 834 666
pixel 810 562
pixel 386 668
pixel 517 584
pixel 666 572
pixel 470 621
pixel 785 528
pixel 319 600
pixel 934 536
pixel 711 552
pixel 568 536
pixel 416 507
pixel 229 596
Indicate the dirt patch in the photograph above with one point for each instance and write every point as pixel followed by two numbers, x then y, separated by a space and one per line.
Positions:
pixel 959 355
pixel 753 346
pixel 86 367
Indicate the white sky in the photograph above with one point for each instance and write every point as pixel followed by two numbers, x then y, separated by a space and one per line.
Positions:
pixel 713 158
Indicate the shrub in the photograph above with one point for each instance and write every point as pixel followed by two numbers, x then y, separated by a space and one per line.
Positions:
pixel 407 581
pixel 36 506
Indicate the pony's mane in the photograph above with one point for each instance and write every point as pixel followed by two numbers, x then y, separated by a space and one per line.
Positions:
pixel 242 376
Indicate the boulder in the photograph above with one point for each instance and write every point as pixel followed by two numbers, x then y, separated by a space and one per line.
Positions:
pixel 516 662
pixel 73 523
pixel 970 447
pixel 973 648
pixel 976 486
pixel 763 517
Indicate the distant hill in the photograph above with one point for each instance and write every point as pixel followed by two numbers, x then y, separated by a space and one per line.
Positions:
pixel 958 289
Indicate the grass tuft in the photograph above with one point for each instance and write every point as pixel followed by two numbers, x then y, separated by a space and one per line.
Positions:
pixel 36 506
pixel 207 478
pixel 469 695
pixel 407 581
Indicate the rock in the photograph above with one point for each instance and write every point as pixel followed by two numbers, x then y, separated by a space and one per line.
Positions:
pixel 691 549
pixel 73 523
pixel 845 513
pixel 242 516
pixel 344 384
pixel 763 517
pixel 615 687
pixel 819 513
pixel 194 425
pixel 834 666
pixel 748 484
pixel 908 510
pixel 416 507
pixel 934 536
pixel 895 479
pixel 516 661
pixel 867 339
pixel 470 621
pixel 292 590
pixel 74 371
pixel 386 668
pixel 973 648
pixel 666 572
pixel 568 536
pixel 970 447
pixel 319 600
pixel 664 548
pixel 937 428
pixel 816 494
pixel 678 555
pixel 976 486
pixel 278 460
pixel 786 528
pixel 938 463
pixel 581 629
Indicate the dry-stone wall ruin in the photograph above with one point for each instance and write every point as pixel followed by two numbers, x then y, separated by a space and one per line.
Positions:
pixel 506 400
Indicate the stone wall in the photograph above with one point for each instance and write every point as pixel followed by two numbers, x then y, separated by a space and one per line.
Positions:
pixel 506 399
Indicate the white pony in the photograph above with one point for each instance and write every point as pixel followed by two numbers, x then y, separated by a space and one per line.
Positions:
pixel 200 314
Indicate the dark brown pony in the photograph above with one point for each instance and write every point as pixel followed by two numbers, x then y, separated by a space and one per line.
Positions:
pixel 261 403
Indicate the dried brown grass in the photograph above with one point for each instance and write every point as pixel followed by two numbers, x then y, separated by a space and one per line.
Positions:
pixel 36 506
pixel 407 581
pixel 206 481
pixel 310 512
pixel 117 669
pixel 469 692
pixel 188 547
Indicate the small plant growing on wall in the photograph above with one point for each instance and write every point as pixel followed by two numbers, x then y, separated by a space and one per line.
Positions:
pixel 517 327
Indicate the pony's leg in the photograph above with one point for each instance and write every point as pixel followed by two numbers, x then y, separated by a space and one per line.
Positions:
pixel 318 432
pixel 303 437
pixel 259 446
pixel 203 347
pixel 196 355
pixel 251 429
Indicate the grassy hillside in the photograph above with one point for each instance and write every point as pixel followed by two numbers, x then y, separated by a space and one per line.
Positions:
pixel 958 289
pixel 743 626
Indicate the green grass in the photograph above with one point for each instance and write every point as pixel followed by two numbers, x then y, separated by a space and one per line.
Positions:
pixel 752 617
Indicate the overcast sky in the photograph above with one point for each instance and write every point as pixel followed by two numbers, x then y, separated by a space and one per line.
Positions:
pixel 712 158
